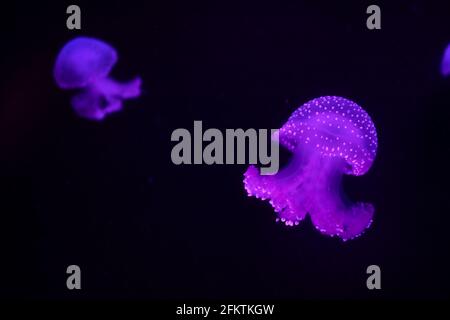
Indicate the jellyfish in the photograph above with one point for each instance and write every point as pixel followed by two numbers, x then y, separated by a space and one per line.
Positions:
pixel 445 64
pixel 328 137
pixel 84 64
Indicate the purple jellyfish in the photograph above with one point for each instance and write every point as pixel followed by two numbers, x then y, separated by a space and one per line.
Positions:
pixel 84 63
pixel 328 136
pixel 445 64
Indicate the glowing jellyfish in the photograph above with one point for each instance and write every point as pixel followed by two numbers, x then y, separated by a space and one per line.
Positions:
pixel 445 64
pixel 329 137
pixel 84 63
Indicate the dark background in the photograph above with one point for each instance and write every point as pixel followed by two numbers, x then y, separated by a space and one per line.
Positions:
pixel 106 196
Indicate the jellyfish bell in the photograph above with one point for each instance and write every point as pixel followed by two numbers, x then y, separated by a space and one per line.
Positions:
pixel 336 128
pixel 81 61
pixel 84 64
pixel 328 137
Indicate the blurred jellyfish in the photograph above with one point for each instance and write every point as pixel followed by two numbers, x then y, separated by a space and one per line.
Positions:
pixel 85 63
pixel 445 64
pixel 329 137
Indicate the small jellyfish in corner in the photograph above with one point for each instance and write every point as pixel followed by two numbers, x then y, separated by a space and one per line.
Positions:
pixel 445 64
pixel 328 137
pixel 84 64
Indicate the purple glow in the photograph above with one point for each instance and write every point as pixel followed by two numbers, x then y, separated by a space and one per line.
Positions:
pixel 328 136
pixel 84 63
pixel 445 65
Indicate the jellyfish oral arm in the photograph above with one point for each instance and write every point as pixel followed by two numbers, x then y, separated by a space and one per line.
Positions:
pixel 311 184
pixel 111 88
pixel 104 96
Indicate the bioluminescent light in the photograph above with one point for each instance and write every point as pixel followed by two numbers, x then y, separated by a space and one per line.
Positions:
pixel 328 137
pixel 445 64
pixel 85 63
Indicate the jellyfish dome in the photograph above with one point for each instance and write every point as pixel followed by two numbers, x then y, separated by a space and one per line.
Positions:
pixel 84 64
pixel 328 137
